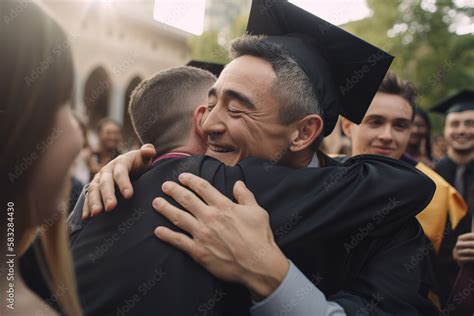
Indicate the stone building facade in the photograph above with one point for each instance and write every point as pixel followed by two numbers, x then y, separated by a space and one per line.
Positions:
pixel 115 44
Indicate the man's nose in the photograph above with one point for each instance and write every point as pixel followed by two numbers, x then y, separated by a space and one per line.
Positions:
pixel 215 122
pixel 386 134
pixel 462 129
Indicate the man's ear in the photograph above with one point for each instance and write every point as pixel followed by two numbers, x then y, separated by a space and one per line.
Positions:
pixel 346 127
pixel 306 132
pixel 198 119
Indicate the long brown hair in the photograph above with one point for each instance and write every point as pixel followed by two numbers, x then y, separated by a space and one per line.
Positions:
pixel 36 80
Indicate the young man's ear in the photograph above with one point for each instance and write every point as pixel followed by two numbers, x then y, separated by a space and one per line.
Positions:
pixel 346 127
pixel 306 132
pixel 198 119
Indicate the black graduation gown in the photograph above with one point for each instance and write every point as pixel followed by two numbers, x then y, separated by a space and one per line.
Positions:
pixel 447 169
pixel 349 228
pixel 447 266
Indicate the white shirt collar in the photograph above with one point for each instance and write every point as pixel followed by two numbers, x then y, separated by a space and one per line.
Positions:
pixel 314 163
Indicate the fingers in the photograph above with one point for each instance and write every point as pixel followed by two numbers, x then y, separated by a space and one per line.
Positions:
pixel 469 252
pixel 464 250
pixel 465 259
pixel 86 207
pixel 86 212
pixel 178 240
pixel 466 237
pixel 122 179
pixel 147 151
pixel 243 195
pixel 107 190
pixel 465 245
pixel 184 197
pixel 178 217
pixel 203 189
pixel 93 199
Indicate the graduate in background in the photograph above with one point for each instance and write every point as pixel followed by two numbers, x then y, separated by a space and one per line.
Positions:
pixel 385 130
pixel 458 165
pixel 458 169
pixel 419 144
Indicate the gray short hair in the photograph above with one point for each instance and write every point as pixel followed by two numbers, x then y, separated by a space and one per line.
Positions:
pixel 292 87
pixel 161 107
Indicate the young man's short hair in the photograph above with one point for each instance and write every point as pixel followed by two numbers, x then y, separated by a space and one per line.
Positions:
pixel 391 84
pixel 161 107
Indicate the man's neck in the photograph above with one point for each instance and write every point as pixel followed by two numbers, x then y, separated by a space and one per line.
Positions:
pixel 460 158
pixel 297 160
pixel 186 150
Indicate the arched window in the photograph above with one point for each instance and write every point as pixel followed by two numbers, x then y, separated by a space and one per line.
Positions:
pixel 97 95
pixel 128 133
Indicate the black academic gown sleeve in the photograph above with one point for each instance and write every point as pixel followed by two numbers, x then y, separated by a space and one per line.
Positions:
pixel 116 253
pixel 371 194
pixel 387 276
pixel 446 267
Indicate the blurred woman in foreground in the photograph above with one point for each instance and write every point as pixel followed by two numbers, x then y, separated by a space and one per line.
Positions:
pixel 40 139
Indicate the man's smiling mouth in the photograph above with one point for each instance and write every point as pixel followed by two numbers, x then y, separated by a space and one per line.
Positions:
pixel 221 149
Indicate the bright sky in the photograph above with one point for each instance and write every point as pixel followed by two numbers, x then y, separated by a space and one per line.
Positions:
pixel 188 15
pixel 335 11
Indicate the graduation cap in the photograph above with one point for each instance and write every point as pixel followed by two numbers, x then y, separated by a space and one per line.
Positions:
pixel 345 71
pixel 461 101
pixel 214 68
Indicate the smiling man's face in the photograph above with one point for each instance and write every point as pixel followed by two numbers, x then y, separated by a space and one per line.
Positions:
pixel 385 129
pixel 459 131
pixel 243 117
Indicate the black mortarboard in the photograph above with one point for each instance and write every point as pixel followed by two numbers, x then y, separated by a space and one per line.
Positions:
pixel 346 71
pixel 461 101
pixel 214 68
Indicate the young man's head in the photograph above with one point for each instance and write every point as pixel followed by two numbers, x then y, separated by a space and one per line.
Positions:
pixel 164 109
pixel 459 132
pixel 385 129
pixel 458 124
pixel 262 105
